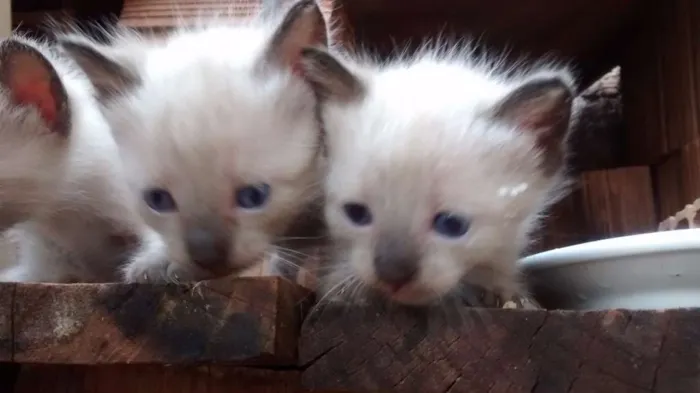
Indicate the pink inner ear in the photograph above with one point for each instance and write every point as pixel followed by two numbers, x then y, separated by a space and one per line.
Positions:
pixel 30 84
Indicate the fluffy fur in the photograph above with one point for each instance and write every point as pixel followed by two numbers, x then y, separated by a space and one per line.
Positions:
pixel 202 115
pixel 439 132
pixel 70 170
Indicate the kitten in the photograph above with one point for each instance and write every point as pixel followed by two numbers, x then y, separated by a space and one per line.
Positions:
pixel 219 133
pixel 438 170
pixel 64 166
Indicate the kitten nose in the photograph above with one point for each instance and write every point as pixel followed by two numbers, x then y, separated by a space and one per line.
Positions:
pixel 208 249
pixel 396 271
pixel 396 260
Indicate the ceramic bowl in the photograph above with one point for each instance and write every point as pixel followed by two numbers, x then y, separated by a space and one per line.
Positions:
pixel 657 270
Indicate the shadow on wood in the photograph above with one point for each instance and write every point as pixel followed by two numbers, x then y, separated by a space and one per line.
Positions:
pixel 243 322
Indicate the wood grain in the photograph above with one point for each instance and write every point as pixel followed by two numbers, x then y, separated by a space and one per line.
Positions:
pixel 618 202
pixel 661 83
pixel 614 351
pixel 239 321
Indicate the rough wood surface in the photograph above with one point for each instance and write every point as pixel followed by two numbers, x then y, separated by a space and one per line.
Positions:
pixel 153 379
pixel 613 351
pixel 239 321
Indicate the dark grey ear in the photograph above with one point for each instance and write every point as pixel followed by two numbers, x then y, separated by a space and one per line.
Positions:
pixel 542 106
pixel 108 74
pixel 330 79
pixel 302 26
pixel 31 80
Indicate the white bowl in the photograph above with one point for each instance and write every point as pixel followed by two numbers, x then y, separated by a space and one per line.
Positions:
pixel 657 270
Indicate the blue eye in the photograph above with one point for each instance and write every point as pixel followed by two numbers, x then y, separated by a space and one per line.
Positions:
pixel 450 225
pixel 358 213
pixel 253 197
pixel 159 200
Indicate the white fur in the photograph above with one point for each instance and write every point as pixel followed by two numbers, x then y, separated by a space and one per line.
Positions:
pixel 84 204
pixel 419 143
pixel 210 116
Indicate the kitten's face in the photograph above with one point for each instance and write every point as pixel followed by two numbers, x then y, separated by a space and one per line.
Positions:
pixel 417 198
pixel 34 111
pixel 222 173
pixel 221 144
pixel 417 217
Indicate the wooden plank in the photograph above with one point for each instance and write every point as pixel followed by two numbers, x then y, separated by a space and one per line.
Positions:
pixel 7 294
pixel 690 171
pixel 563 225
pixel 618 202
pixel 153 379
pixel 393 350
pixel 668 184
pixel 239 321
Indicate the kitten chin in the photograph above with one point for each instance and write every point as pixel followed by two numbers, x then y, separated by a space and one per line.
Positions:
pixel 60 177
pixel 219 134
pixel 439 166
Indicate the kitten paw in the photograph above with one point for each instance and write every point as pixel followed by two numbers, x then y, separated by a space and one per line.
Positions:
pixel 153 273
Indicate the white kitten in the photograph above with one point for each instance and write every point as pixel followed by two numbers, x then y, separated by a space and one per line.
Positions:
pixel 67 162
pixel 218 130
pixel 438 169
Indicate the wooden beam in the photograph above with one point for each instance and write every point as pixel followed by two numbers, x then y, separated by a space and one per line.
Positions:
pixel 239 321
pixel 615 351
pixel 154 379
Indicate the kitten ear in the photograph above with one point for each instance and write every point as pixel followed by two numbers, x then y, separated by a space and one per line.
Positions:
pixel 30 79
pixel 329 78
pixel 109 73
pixel 302 26
pixel 542 106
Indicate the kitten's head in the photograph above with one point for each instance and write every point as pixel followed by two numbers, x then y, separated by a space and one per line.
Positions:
pixel 218 130
pixel 436 167
pixel 36 122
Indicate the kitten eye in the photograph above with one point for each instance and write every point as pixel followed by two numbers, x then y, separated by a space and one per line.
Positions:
pixel 159 200
pixel 358 213
pixel 253 197
pixel 450 225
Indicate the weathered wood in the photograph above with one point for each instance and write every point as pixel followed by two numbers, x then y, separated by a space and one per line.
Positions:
pixel 239 321
pixel 614 351
pixel 153 379
pixel 597 140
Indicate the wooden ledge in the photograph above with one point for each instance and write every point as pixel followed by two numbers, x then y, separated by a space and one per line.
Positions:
pixel 240 322
pixel 377 350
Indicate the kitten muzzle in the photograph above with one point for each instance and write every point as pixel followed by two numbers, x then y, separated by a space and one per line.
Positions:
pixel 396 262
pixel 209 249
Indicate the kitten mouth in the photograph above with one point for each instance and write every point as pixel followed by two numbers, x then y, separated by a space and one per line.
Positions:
pixel 409 294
